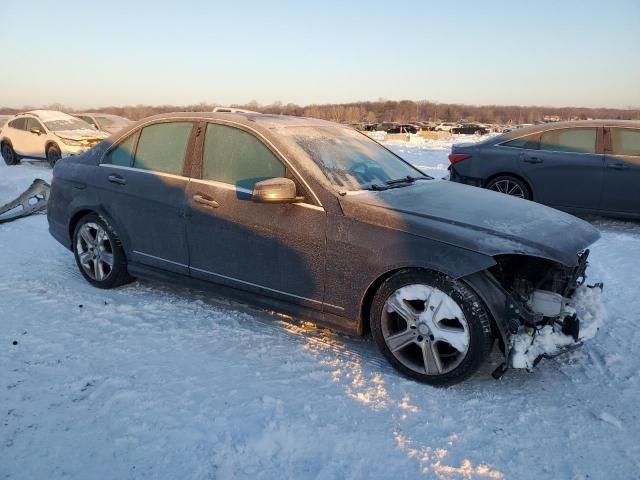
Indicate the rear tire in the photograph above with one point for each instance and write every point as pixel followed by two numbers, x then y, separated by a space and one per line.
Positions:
pixel 99 253
pixel 431 327
pixel 9 154
pixel 53 155
pixel 510 185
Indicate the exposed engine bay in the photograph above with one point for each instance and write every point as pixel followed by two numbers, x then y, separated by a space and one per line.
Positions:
pixel 546 319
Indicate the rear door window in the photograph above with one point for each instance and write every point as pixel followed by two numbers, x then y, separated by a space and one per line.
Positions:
pixel 625 141
pixel 236 157
pixel 19 123
pixel 530 142
pixel 162 147
pixel 574 140
pixel 122 155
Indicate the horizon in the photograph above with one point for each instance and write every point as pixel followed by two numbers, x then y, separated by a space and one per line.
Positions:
pixel 58 106
pixel 154 53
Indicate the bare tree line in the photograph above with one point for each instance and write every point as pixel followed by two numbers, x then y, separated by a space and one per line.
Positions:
pixel 379 111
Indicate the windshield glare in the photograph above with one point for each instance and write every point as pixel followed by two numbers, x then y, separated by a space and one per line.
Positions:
pixel 106 122
pixel 350 160
pixel 70 123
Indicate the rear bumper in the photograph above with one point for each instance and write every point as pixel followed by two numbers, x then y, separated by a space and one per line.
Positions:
pixel 454 176
pixel 59 232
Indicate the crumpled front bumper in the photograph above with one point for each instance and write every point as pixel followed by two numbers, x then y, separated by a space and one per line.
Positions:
pixel 530 345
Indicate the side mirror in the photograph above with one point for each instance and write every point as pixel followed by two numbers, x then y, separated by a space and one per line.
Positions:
pixel 37 131
pixel 275 190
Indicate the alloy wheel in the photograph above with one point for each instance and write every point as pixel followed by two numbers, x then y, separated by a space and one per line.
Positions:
pixel 508 187
pixel 425 329
pixel 95 251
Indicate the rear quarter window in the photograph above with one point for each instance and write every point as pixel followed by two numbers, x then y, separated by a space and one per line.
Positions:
pixel 528 142
pixel 122 155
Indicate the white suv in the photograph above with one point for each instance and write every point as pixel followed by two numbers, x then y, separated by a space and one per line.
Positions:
pixel 46 134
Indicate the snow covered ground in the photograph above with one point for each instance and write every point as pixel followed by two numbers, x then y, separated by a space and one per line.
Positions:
pixel 156 381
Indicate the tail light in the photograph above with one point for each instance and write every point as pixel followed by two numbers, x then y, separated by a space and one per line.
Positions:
pixel 458 157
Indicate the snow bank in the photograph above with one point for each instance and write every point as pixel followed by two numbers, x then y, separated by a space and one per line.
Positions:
pixel 587 303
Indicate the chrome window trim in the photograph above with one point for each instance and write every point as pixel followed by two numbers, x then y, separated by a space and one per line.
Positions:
pixel 221 121
pixel 142 170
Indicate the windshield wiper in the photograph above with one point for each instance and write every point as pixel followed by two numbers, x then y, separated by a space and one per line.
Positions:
pixel 376 188
pixel 407 179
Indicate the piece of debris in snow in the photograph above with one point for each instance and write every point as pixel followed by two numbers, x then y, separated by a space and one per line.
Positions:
pixel 33 200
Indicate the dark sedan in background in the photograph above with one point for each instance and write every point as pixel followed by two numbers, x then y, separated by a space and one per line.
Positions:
pixel 590 167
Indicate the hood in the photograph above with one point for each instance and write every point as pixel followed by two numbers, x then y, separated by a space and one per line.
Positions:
pixel 475 219
pixel 82 134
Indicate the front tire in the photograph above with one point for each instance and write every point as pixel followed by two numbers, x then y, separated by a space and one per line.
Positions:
pixel 510 185
pixel 99 253
pixel 9 154
pixel 53 155
pixel 431 327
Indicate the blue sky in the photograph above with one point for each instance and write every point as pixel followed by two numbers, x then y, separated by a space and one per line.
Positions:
pixel 557 53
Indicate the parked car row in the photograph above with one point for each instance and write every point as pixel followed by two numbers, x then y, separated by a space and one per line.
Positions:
pixel 51 135
pixel 583 167
pixel 415 127
pixel 318 220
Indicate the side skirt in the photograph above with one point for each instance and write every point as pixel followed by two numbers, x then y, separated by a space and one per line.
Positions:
pixel 340 324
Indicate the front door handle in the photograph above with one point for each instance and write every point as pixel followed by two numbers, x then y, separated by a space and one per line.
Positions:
pixel 205 200
pixel 117 179
pixel 533 160
pixel 618 166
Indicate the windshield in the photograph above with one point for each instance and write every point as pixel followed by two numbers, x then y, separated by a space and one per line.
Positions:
pixel 70 123
pixel 350 160
pixel 106 122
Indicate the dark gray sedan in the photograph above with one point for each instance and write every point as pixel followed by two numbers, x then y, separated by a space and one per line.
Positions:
pixel 317 220
pixel 580 167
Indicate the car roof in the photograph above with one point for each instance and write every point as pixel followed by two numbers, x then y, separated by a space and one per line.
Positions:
pixel 253 120
pixel 46 115
pixel 543 127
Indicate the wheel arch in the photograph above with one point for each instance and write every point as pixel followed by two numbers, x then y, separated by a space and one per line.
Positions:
pixel 51 143
pixel 498 327
pixel 75 218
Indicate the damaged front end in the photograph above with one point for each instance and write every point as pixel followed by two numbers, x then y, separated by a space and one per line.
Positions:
pixel 549 310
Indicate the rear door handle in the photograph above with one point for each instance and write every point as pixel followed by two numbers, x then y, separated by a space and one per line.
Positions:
pixel 205 200
pixel 113 178
pixel 618 166
pixel 533 160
